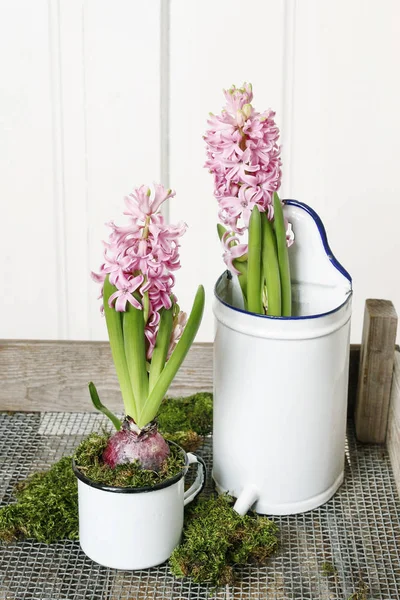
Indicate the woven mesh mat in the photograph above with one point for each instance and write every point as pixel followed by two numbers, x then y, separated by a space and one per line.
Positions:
pixel 358 532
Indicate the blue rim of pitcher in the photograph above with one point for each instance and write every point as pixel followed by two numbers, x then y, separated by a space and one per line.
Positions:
pixel 330 255
pixel 322 233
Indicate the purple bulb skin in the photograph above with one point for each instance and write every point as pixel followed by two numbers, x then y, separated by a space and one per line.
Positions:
pixel 125 446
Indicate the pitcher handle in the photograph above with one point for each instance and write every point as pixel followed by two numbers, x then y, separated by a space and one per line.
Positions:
pixel 200 481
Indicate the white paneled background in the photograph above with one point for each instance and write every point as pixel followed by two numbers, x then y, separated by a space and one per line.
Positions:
pixel 99 96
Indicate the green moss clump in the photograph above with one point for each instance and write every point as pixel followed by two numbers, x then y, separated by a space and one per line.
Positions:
pixel 361 593
pixel 46 507
pixel 186 421
pixel 89 452
pixel 192 413
pixel 328 569
pixel 216 540
pixel 188 440
pixel 89 462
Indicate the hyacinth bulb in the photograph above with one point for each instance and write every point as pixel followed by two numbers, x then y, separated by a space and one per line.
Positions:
pixel 130 444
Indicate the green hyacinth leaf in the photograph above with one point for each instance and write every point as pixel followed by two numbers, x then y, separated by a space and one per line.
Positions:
pixel 283 257
pixel 99 406
pixel 115 335
pixel 177 357
pixel 254 299
pixel 242 278
pixel 162 344
pixel 135 352
pixel 270 267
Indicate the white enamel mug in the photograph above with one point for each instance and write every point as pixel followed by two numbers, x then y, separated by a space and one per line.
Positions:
pixel 135 528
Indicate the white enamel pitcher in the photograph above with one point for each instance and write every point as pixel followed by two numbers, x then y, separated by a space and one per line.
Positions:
pixel 280 383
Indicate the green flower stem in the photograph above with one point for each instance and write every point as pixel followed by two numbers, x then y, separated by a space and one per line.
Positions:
pixel 114 327
pixel 162 344
pixel 270 267
pixel 242 278
pixel 135 352
pixel 283 257
pixel 99 406
pixel 157 394
pixel 254 300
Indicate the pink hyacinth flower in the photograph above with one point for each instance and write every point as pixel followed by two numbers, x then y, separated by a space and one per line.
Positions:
pixel 232 250
pixel 124 295
pixel 289 234
pixel 238 208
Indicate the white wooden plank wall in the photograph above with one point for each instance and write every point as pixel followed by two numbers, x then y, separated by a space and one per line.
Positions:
pixel 206 55
pixel 345 136
pixel 29 222
pixel 98 96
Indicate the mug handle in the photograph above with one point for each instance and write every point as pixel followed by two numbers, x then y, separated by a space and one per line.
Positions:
pixel 200 480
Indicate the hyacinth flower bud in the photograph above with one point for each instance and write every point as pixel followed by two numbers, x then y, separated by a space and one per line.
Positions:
pixel 240 118
pixel 246 110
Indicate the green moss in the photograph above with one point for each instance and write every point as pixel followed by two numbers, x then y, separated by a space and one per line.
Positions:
pixel 328 569
pixel 46 507
pixel 216 540
pixel 88 453
pixel 186 421
pixel 88 461
pixel 188 440
pixel 193 413
pixel 361 592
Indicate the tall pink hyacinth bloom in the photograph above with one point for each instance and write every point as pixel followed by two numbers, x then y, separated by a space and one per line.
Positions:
pixel 139 259
pixel 244 157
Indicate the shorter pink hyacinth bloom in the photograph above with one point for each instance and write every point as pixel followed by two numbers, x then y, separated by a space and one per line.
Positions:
pixel 139 259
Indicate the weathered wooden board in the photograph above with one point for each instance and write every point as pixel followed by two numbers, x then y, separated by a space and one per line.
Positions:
pixel 376 370
pixel 393 430
pixel 53 376
pixel 41 376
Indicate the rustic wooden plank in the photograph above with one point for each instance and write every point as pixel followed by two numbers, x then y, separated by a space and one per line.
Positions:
pixel 393 430
pixel 53 376
pixel 40 376
pixel 376 370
